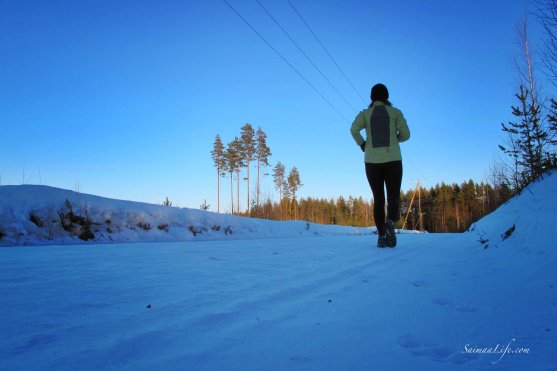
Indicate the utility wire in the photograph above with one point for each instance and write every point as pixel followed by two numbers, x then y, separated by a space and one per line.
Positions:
pixel 340 69
pixel 305 55
pixel 326 51
pixel 286 61
pixel 297 72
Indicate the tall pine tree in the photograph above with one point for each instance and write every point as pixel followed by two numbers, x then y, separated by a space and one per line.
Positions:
pixel 279 180
pixel 248 151
pixel 219 160
pixel 237 149
pixel 294 184
pixel 262 154
pixel 232 157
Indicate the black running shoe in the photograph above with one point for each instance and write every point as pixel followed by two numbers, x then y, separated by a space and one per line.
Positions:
pixel 390 235
pixel 382 241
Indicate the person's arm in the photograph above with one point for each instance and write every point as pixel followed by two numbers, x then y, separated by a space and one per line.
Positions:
pixel 403 132
pixel 357 126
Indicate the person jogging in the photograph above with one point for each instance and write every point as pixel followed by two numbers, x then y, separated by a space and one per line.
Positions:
pixel 385 129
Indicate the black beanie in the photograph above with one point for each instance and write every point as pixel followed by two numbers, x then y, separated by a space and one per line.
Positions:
pixel 379 92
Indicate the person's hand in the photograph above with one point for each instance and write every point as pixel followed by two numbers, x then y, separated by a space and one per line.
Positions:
pixel 363 146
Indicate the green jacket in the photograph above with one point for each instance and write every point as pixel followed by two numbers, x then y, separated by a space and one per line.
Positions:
pixel 385 129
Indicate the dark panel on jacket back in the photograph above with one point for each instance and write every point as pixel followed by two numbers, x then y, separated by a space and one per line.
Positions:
pixel 380 130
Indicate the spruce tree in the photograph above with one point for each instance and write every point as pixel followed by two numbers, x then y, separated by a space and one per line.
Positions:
pixel 526 138
pixel 219 160
pixel 550 159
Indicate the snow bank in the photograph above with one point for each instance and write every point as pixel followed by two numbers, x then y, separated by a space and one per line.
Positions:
pixel 41 215
pixel 527 220
pixel 37 215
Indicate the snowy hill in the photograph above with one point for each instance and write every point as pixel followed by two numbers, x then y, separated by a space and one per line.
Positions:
pixel 529 218
pixel 435 302
pixel 33 215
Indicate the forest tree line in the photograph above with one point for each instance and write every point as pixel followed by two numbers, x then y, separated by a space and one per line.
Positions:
pixel 444 207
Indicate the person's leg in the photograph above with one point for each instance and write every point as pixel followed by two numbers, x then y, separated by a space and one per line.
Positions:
pixel 376 180
pixel 393 181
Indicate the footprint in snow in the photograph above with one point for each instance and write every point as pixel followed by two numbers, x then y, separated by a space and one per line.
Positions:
pixel 458 306
pixel 419 283
pixel 38 341
pixel 440 353
pixel 300 359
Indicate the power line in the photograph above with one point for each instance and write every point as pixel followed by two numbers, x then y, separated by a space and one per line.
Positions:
pixel 326 51
pixel 305 55
pixel 339 68
pixel 286 61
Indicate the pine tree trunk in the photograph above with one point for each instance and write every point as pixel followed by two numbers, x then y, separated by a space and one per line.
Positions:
pixel 238 190
pixel 280 205
pixel 443 223
pixel 457 216
pixel 248 188
pixel 231 194
pixel 218 191
pixel 290 208
pixel 257 190
pixel 529 143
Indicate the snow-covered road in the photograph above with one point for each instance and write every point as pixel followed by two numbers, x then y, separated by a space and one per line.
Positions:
pixel 311 303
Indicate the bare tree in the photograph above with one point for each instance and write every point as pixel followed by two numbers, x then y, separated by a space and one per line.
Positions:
pixel 526 73
pixel 524 61
pixel 546 12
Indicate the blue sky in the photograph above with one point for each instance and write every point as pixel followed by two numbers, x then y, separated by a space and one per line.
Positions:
pixel 124 98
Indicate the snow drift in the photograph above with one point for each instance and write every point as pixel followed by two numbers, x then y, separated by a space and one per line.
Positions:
pixel 42 215
pixel 529 218
pixel 38 215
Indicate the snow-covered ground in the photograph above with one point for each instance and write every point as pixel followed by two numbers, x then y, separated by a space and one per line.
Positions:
pixel 32 215
pixel 470 301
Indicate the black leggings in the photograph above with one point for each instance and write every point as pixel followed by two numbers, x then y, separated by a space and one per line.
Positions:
pixel 387 174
